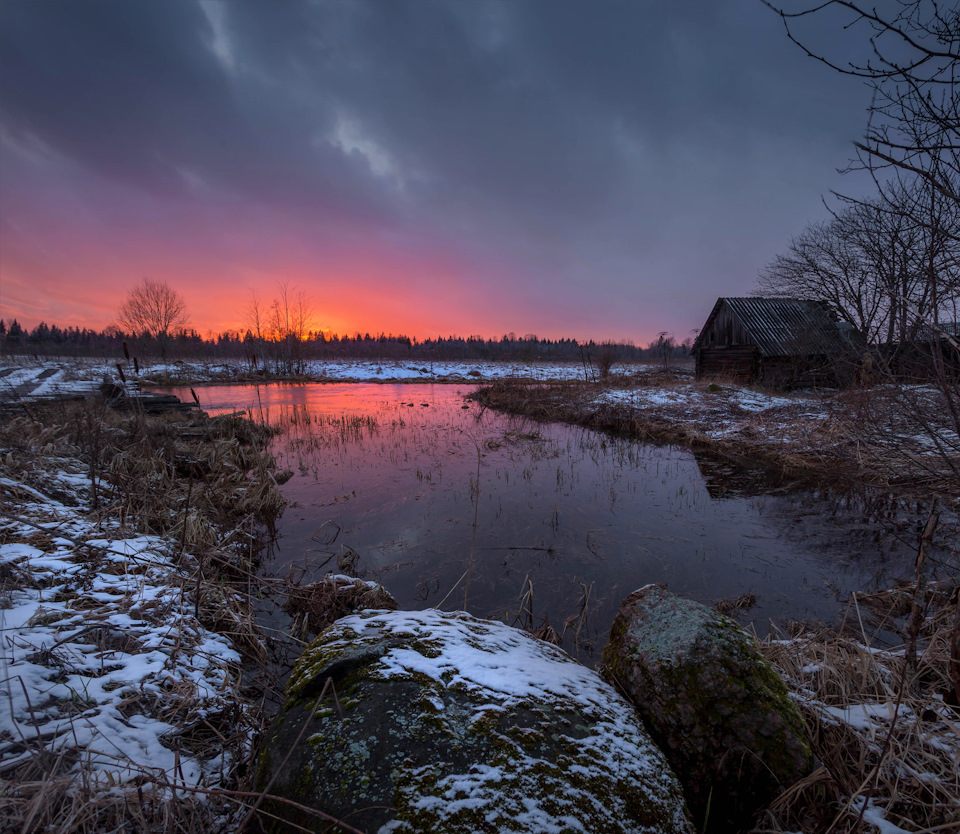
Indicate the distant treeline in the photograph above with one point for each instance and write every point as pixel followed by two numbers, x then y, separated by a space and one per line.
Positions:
pixel 50 340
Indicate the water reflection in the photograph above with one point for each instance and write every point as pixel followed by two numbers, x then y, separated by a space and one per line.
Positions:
pixel 725 479
pixel 447 504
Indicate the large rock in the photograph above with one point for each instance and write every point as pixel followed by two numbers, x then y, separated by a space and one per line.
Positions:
pixel 717 709
pixel 454 724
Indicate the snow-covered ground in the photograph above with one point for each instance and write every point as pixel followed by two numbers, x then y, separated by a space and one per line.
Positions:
pixel 889 432
pixel 51 379
pixel 39 378
pixel 103 665
pixel 907 739
pixel 907 421
pixel 725 411
pixel 361 370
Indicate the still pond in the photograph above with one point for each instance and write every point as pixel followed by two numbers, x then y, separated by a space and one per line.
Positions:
pixel 447 504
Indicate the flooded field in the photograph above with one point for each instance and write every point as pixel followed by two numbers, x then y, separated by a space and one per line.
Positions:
pixel 448 505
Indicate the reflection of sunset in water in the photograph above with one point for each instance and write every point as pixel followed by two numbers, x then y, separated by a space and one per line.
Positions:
pixel 581 517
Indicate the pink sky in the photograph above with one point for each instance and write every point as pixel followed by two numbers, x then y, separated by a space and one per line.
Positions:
pixel 592 171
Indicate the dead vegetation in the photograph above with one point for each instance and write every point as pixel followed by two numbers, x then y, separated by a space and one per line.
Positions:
pixel 886 732
pixel 207 488
pixel 860 436
pixel 883 723
pixel 72 805
pixel 576 630
pixel 732 607
pixel 199 479
pixel 316 605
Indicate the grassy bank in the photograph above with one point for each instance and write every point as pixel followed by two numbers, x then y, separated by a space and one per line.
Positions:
pixel 127 549
pixel 884 724
pixel 127 555
pixel 835 438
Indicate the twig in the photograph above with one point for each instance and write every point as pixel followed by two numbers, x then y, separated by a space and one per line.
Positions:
pixel 916 609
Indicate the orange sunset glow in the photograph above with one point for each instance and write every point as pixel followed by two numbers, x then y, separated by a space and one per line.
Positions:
pixel 482 182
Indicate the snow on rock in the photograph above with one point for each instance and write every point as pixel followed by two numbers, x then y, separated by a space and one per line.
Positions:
pixel 104 664
pixel 454 724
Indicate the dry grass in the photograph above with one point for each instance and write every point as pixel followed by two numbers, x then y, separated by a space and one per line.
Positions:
pixel 208 486
pixel 316 605
pixel 575 403
pixel 577 629
pixel 68 805
pixel 882 730
pixel 732 607
pixel 853 437
pixel 907 431
pixel 207 482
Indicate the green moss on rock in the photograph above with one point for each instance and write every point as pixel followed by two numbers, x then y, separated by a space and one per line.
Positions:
pixel 719 711
pixel 462 725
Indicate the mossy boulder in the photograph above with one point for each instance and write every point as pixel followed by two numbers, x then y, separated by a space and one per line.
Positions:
pixel 447 723
pixel 718 710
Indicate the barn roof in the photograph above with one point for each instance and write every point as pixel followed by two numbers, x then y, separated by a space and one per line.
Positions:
pixel 786 326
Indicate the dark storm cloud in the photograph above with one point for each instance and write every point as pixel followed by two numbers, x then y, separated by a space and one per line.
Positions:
pixel 120 86
pixel 571 139
pixel 134 91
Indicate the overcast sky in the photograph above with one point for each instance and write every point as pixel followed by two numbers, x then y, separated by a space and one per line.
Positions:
pixel 586 169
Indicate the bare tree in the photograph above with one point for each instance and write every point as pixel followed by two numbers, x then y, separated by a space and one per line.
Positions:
pixel 255 316
pixel 911 148
pixel 914 124
pixel 154 309
pixel 280 328
pixel 664 347
pixel 825 263
pixel 888 265
pixel 607 359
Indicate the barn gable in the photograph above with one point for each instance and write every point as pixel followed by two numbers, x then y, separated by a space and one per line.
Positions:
pixel 771 340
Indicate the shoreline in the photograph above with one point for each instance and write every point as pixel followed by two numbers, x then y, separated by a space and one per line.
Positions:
pixel 112 543
pixel 800 439
pixel 126 547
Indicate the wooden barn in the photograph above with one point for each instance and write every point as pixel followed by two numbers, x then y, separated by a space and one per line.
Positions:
pixel 779 342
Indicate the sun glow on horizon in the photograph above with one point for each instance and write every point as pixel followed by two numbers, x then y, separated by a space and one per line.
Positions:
pixel 417 300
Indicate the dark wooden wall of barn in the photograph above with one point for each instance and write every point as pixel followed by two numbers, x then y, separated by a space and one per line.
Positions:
pixel 726 331
pixel 730 363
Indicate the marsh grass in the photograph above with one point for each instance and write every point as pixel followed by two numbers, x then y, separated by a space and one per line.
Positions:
pixel 207 486
pixel 76 805
pixel 316 605
pixel 856 437
pixel 577 627
pixel 885 730
pixel 887 735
